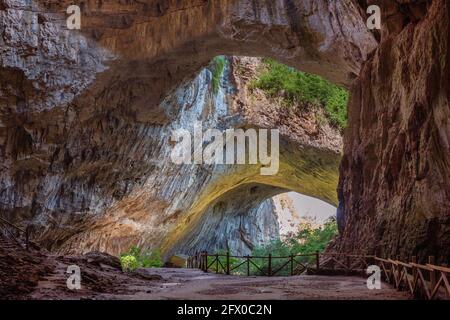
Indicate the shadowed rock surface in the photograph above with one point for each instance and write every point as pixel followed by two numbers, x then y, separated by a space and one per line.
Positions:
pixel 395 174
pixel 82 115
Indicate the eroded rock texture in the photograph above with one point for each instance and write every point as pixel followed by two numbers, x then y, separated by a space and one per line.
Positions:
pixel 83 114
pixel 395 174
pixel 185 208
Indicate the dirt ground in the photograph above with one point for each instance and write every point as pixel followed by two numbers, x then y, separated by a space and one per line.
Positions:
pixel 42 275
pixel 196 285
pixel 192 284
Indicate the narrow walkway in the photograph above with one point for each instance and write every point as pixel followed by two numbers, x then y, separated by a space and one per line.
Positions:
pixel 195 284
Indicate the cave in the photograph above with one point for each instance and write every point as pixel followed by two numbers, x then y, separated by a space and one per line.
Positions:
pixel 86 117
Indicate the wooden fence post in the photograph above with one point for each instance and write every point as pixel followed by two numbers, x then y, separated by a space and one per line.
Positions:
pixel 206 261
pixel 217 263
pixel 317 262
pixel 228 262
pixel 431 260
pixel 248 266
pixel 414 271
pixel 292 264
pixel 270 265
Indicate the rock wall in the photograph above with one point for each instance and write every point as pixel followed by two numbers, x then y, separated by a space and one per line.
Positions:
pixel 82 113
pixel 146 200
pixel 395 175
pixel 240 221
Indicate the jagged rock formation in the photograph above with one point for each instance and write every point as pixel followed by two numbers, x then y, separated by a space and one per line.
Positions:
pixel 89 169
pixel 185 208
pixel 395 174
pixel 309 154
pixel 81 114
pixel 82 111
pixel 238 222
pixel 41 275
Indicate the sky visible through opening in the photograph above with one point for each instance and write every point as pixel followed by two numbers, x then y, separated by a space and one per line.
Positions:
pixel 294 208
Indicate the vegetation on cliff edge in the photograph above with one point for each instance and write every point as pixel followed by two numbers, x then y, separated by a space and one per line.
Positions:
pixel 217 68
pixel 295 87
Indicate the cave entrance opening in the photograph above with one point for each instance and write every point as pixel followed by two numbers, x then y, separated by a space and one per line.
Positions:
pixel 237 210
pixel 295 210
pixel 287 223
pixel 259 219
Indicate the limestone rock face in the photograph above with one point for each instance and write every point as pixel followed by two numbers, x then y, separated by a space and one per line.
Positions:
pixel 187 208
pixel 395 175
pixel 85 116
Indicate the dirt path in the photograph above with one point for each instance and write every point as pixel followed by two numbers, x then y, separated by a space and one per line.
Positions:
pixel 41 275
pixel 196 285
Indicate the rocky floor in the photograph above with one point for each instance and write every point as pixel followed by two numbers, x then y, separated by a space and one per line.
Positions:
pixel 196 285
pixel 41 275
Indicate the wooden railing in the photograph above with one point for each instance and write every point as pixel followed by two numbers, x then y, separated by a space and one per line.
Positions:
pixel 248 265
pixel 17 234
pixel 423 281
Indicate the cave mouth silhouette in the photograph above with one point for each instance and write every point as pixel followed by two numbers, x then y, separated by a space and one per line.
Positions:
pixel 250 216
pixel 293 208
pixel 148 57
pixel 218 220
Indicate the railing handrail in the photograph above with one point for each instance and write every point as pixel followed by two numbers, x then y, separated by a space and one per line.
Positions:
pixel 263 257
pixel 12 225
pixel 402 275
pixel 200 261
pixel 25 232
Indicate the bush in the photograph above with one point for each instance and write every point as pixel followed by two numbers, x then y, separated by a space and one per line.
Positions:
pixel 295 87
pixel 129 263
pixel 135 258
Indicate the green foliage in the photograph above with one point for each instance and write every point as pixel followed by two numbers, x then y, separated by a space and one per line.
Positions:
pixel 234 262
pixel 135 258
pixel 309 239
pixel 336 107
pixel 217 67
pixel 295 87
pixel 128 262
